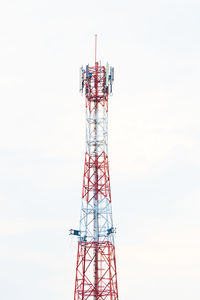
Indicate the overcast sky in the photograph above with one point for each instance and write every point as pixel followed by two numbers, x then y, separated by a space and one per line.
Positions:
pixel 154 143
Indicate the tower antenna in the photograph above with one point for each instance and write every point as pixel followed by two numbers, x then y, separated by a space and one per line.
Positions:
pixel 95 48
pixel 96 273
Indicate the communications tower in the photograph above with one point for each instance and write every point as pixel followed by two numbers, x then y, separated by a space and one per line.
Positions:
pixel 96 275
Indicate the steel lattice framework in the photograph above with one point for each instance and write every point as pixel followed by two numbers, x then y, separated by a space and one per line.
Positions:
pixel 96 276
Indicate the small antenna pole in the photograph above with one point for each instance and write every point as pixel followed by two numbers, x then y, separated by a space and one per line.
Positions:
pixel 95 48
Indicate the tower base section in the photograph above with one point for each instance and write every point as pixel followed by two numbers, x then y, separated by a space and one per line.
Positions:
pixel 96 276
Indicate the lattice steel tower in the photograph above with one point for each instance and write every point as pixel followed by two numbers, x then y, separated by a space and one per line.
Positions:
pixel 96 275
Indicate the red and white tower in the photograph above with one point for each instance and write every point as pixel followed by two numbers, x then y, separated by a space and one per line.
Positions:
pixel 96 275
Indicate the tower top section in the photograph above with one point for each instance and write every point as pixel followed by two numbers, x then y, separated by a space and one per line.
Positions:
pixel 97 80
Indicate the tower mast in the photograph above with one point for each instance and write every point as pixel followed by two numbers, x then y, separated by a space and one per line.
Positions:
pixel 96 200
pixel 96 275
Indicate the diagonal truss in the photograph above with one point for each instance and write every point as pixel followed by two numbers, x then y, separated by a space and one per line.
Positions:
pixel 107 276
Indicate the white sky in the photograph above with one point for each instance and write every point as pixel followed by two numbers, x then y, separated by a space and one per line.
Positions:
pixel 154 143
